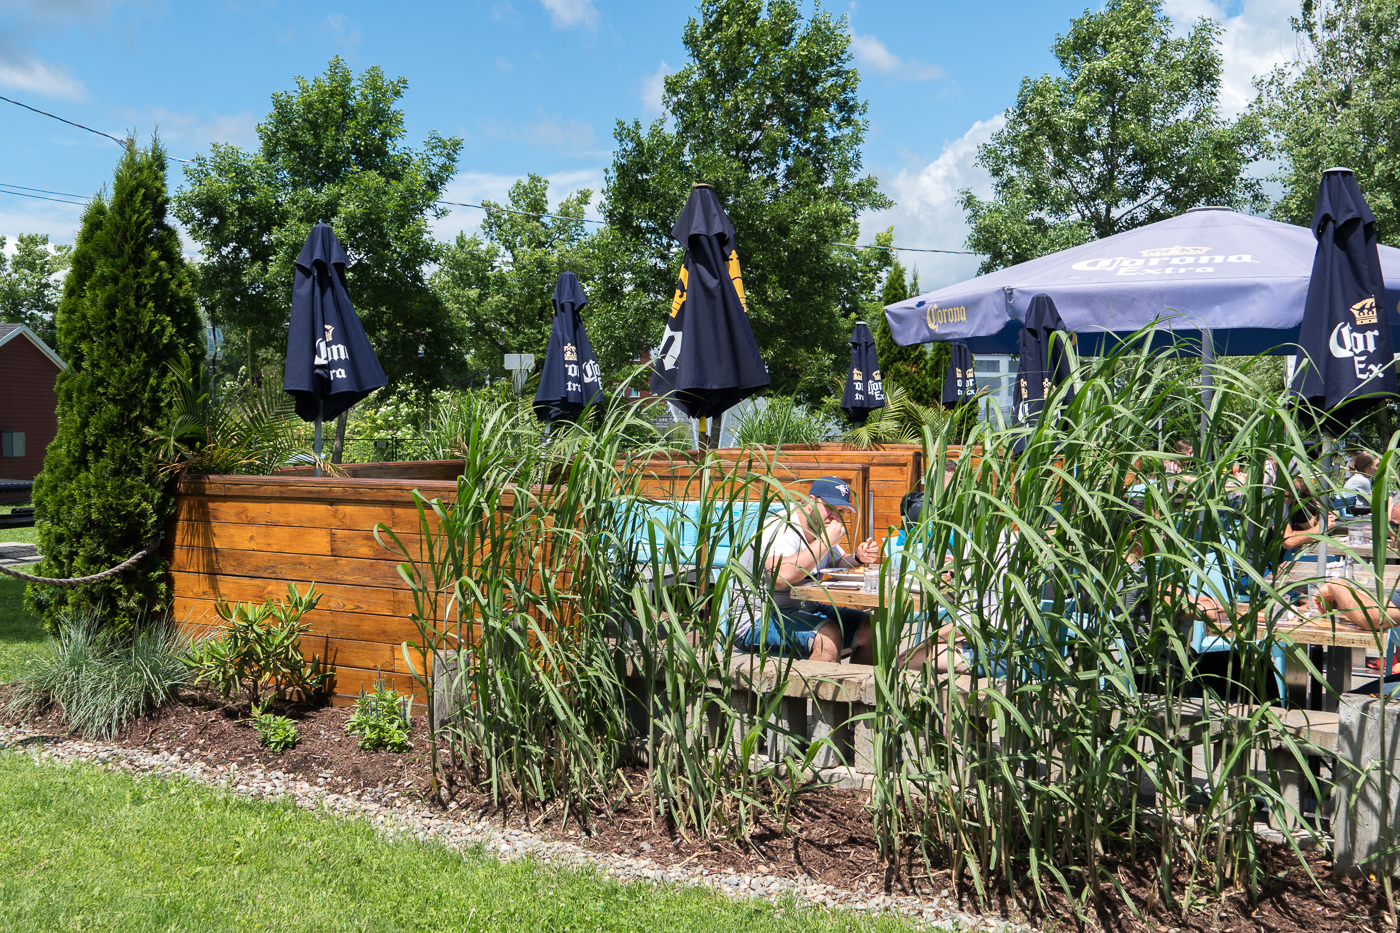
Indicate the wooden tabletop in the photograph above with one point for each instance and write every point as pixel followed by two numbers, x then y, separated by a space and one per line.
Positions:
pixel 851 599
pixel 1322 631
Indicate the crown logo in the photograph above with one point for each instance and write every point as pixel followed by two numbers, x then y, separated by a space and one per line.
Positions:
pixel 329 330
pixel 857 375
pixel 570 352
pixel 1176 251
pixel 875 375
pixel 1365 311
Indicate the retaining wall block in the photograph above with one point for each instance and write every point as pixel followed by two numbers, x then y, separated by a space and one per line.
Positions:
pixel 1366 820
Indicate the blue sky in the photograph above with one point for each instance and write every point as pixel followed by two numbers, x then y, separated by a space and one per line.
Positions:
pixel 531 86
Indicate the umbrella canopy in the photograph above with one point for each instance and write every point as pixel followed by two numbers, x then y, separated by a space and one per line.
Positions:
pixel 708 359
pixel 1044 362
pixel 960 385
pixel 571 378
pixel 1348 353
pixel 330 364
pixel 865 390
pixel 1243 278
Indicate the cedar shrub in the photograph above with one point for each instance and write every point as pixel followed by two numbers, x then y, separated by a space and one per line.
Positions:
pixel 127 314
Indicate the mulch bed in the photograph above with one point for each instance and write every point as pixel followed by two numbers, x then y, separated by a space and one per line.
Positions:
pixel 829 837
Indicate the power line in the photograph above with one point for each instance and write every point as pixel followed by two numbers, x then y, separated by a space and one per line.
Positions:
pixel 40 197
pixel 907 249
pixel 62 194
pixel 507 210
pixel 54 116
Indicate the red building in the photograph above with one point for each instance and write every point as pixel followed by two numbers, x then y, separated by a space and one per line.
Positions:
pixel 28 402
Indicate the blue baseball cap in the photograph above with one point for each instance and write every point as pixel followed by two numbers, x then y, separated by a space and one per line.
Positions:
pixel 833 492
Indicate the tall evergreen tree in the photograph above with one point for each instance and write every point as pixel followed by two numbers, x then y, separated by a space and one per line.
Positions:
pixel 128 312
pixel 913 369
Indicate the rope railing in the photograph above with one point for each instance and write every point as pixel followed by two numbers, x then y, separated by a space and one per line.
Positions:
pixel 131 561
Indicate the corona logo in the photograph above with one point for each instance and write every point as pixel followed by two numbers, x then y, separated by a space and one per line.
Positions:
pixel 935 315
pixel 1176 251
pixel 1365 311
pixel 857 375
pixel 570 352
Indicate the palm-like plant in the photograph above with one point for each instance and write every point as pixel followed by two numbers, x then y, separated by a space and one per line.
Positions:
pixel 901 421
pixel 251 431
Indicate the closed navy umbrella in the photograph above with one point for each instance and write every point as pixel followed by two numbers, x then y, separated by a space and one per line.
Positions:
pixel 1044 360
pixel 571 378
pixel 330 364
pixel 960 385
pixel 865 390
pixel 1346 349
pixel 708 360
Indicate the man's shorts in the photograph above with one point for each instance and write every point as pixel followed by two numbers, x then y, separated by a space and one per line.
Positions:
pixel 791 633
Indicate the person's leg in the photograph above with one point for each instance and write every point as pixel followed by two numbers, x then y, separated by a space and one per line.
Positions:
pixel 1357 605
pixel 942 651
pixel 857 635
pixel 826 644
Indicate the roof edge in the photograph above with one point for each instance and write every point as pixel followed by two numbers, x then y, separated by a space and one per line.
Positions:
pixel 34 339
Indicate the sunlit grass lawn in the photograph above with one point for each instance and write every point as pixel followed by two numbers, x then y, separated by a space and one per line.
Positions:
pixel 21 633
pixel 86 849
pixel 24 535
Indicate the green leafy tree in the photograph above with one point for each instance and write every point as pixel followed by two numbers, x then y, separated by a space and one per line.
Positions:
pixel 499 285
pixel 913 368
pixel 331 151
pixel 30 283
pixel 1338 103
pixel 767 111
pixel 127 323
pixel 1130 134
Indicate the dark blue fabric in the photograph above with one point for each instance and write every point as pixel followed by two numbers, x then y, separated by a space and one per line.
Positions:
pixel 571 378
pixel 1044 360
pixel 960 384
pixel 1347 351
pixel 865 390
pixel 328 355
pixel 708 360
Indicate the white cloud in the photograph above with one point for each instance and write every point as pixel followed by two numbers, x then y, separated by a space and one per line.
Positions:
pixel 926 212
pixel 21 215
pixel 565 13
pixel 550 131
pixel 25 71
pixel 345 35
pixel 196 131
pixel 1255 39
pixel 873 53
pixel 653 86
pixel 474 187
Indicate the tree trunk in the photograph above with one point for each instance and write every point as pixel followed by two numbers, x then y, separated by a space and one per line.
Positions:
pixel 339 448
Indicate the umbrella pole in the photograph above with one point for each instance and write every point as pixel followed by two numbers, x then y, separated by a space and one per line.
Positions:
pixel 1207 386
pixel 320 409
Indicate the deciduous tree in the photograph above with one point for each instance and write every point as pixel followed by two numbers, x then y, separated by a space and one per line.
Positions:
pixel 333 151
pixel 1129 133
pixel 767 110
pixel 31 282
pixel 1338 103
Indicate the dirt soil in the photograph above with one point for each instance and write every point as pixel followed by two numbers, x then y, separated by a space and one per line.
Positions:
pixel 828 839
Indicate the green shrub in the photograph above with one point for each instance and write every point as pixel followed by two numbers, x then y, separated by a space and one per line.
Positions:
pixel 276 732
pixel 781 421
pixel 102 678
pixel 382 719
pixel 128 312
pixel 259 654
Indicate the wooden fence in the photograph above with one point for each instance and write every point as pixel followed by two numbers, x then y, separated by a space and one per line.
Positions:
pixel 244 538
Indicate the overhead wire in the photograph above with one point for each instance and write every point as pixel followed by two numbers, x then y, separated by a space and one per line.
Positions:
pixel 40 197
pixel 481 207
pixel 54 116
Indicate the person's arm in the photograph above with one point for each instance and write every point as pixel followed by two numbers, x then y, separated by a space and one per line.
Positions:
pixel 1294 538
pixel 789 569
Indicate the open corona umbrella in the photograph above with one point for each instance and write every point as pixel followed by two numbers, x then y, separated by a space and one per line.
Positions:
pixel 1346 351
pixel 865 390
pixel 708 360
pixel 960 384
pixel 330 364
pixel 570 379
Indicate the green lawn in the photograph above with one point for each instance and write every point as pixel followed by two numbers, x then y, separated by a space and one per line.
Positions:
pixel 21 633
pixel 86 849
pixel 26 535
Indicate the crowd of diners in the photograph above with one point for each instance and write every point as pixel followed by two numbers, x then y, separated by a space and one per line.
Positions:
pixel 794 548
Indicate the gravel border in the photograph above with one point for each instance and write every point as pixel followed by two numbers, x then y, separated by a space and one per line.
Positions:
pixel 397 816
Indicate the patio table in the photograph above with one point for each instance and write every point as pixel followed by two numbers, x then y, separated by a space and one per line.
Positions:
pixel 1330 644
pixel 850 598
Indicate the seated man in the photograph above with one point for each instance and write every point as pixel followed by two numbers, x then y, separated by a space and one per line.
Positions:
pixel 792 548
